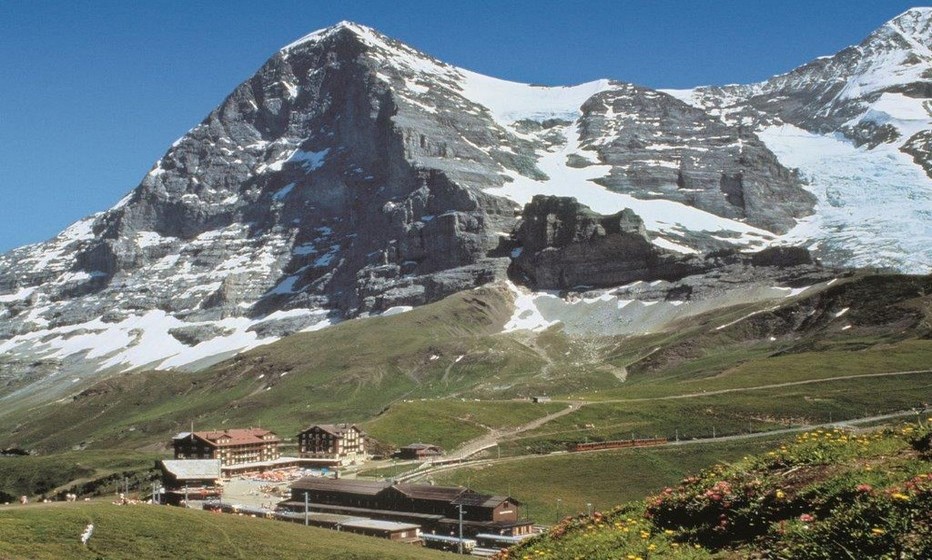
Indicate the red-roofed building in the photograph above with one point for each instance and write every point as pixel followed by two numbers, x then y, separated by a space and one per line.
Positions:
pixel 233 447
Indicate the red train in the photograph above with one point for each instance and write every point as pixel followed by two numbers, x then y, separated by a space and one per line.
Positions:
pixel 617 444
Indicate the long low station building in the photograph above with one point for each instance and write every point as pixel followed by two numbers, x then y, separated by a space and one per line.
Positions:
pixel 436 509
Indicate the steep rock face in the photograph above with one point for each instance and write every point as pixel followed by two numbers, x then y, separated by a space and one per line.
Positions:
pixel 328 185
pixel 565 245
pixel 659 147
pixel 317 152
pixel 307 174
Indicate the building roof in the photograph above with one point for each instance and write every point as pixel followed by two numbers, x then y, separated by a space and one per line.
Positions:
pixel 232 436
pixel 455 495
pixel 365 487
pixel 335 429
pixel 429 492
pixel 421 446
pixel 483 500
pixel 192 469
pixel 380 525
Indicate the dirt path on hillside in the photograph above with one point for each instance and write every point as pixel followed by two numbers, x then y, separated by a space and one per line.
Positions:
pixel 494 436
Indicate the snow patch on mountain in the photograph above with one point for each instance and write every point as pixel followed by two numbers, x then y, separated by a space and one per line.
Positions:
pixel 908 115
pixel 513 101
pixel 622 311
pixel 145 340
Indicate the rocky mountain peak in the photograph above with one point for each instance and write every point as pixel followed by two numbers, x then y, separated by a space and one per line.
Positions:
pixel 915 24
pixel 353 174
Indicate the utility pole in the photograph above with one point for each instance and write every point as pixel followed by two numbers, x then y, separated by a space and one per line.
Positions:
pixel 677 434
pixel 713 432
pixel 306 514
pixel 461 529
pixel 186 494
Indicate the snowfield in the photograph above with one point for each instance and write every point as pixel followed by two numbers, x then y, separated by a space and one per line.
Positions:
pixel 875 206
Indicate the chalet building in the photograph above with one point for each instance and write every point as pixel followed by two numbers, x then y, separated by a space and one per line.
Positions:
pixel 232 447
pixel 345 442
pixel 197 479
pixel 419 451
pixel 435 508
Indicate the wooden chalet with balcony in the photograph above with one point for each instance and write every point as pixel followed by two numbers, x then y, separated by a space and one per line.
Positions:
pixel 343 442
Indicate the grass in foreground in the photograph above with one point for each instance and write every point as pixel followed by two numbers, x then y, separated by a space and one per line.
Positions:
pixel 556 485
pixel 52 532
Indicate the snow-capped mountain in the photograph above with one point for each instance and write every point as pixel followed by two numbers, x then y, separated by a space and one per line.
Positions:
pixel 858 125
pixel 354 175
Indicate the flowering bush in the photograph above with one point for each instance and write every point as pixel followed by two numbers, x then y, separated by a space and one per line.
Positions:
pixel 893 523
pixel 828 494
pixel 621 534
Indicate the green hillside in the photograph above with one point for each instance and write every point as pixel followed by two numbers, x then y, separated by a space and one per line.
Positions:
pixel 143 532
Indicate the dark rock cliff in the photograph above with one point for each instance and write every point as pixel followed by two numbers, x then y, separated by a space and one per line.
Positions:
pixel 566 245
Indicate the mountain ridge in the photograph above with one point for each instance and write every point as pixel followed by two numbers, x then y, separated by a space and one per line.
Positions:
pixel 353 175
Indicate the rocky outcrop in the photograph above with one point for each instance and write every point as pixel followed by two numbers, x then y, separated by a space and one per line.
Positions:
pixel 195 334
pixel 565 245
pixel 660 147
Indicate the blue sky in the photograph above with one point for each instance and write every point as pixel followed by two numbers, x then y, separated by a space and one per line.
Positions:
pixel 93 93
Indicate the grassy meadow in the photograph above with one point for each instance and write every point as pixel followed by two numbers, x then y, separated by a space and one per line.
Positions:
pixel 144 532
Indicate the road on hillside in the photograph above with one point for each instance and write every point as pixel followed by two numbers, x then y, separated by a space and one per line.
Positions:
pixel 427 469
pixel 757 387
pixel 459 456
